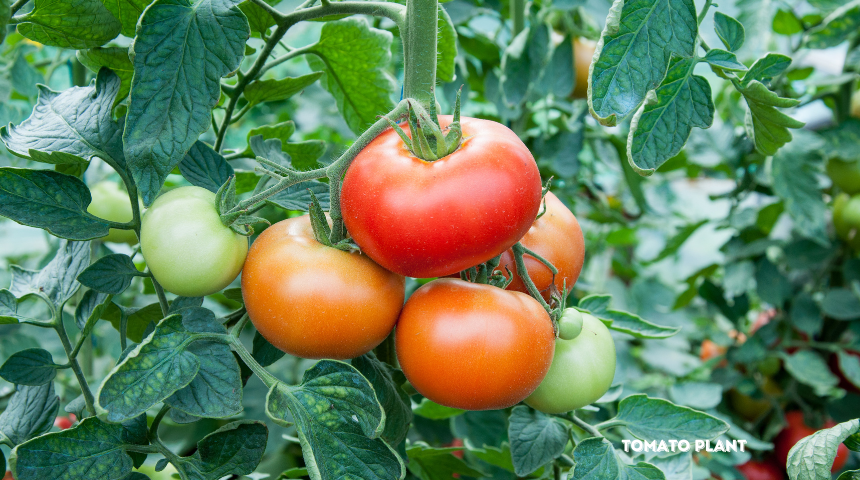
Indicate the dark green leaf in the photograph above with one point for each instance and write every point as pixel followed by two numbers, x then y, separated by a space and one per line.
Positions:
pixel 181 303
pixel 139 318
pixel 234 449
pixel 338 420
pixel 773 287
pixel 841 304
pixel 595 459
pixel 110 274
pixel 598 305
pixel 558 77
pixel 204 167
pixel 58 280
pixel 172 95
pixel 5 16
pixel 767 67
pixel 396 404
pixel 813 456
pixel 127 12
pixel 524 61
pixel 355 58
pixel 33 367
pixel 30 413
pixel 92 450
pixel 805 314
pixel 634 52
pixel 9 308
pixel 429 463
pixel 114 58
pixel 69 23
pixel 839 26
pixel 446 48
pixel 767 126
pixel 264 352
pixel 808 368
pixel 657 419
pixel 841 141
pixel 730 31
pixel 260 91
pixel 536 439
pixel 849 365
pixel 298 197
pixel 793 172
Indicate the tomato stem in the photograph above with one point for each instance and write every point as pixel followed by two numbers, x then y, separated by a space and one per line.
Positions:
pixel 518 17
pixel 419 51
pixel 73 362
pixel 519 250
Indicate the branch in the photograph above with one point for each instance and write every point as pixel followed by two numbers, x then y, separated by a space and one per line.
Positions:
pixel 73 362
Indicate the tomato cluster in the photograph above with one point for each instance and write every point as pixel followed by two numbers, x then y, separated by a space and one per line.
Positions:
pixel 463 344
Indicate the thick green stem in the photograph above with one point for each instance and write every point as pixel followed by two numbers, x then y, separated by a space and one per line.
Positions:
pixel 522 271
pixel 518 16
pixel 583 425
pixel 419 51
pixel 162 298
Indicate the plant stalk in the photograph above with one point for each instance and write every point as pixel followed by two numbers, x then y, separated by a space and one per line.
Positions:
pixel 419 51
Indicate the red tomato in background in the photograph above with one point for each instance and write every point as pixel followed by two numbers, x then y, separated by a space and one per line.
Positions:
pixel 64 422
pixel 431 219
pixel 710 350
pixel 798 430
pixel 754 470
pixel 473 346
pixel 844 383
pixel 314 301
pixel 557 237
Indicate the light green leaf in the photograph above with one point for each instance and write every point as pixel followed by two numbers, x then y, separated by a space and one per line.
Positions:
pixel 446 48
pixel 839 26
pixel 724 60
pixel 258 18
pixel 598 305
pixel 182 49
pixel 338 420
pixel 730 31
pixel 767 126
pixel 558 76
pixel 698 395
pixel 432 410
pixel 634 52
pixel 32 366
pixel 657 419
pixel 304 155
pixel 812 457
pixel 536 439
pixel 793 178
pixel 30 413
pixel 663 123
pixel 127 12
pixel 260 91
pixel 57 281
pixel 766 68
pixel 114 58
pixel 428 463
pixel 675 467
pixel 9 308
pixel 808 368
pixel 354 57
pixel 204 167
pixel 69 23
pixel 595 459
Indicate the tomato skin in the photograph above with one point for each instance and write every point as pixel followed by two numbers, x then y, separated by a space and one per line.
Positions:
pixel 581 372
pixel 754 470
pixel 473 346
pixel 63 423
pixel 846 219
pixel 314 301
pixel 845 175
pixel 110 202
pixel 557 237
pixel 185 245
pixel 583 52
pixel 431 219
pixel 798 430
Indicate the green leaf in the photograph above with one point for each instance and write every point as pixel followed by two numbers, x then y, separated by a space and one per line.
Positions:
pixel 110 274
pixel 598 305
pixel 523 62
pixel 675 243
pixel 204 167
pixel 839 26
pixel 675 467
pixel 90 309
pixel 849 365
pixel 114 58
pixel 338 420
pixel 805 314
pixel 386 382
pixel 5 16
pixel 139 318
pixel 216 390
pixel 657 419
pixel 77 121
pixel 663 123
pixel 92 450
pixel 127 12
pixel 808 368
pixel 182 49
pixel 264 352
pixel 69 23
pixel 786 23
pixel 432 410
pixel 57 281
pixel 595 459
pixel 446 48
pixel 9 308
pixel 258 18
pixel 354 57
pixel 57 158
pixel 812 457
pixel 152 371
pixel 724 60
pixel 730 31
pixel 766 68
pixel 841 304
pixel 428 463
pixel 536 439
pixel 767 126
pixel 841 141
pixel 772 286
pixel 33 367
pixel 304 155
pixel 31 412
pixel 234 449
pixel 634 52
pixel 260 91
pixel 558 76
pixel 793 178
pixel 298 197
pixel 698 395
pixel 498 457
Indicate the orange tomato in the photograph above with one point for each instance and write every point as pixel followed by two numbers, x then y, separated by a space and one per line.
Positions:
pixel 314 301
pixel 710 350
pixel 583 51
pixel 473 346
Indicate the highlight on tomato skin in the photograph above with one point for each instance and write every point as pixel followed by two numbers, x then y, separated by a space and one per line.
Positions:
pixel 430 219
pixel 473 346
pixel 315 301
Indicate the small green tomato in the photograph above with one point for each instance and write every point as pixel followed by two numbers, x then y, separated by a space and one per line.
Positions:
pixel 845 175
pixel 570 324
pixel 185 245
pixel 110 202
pixel 581 371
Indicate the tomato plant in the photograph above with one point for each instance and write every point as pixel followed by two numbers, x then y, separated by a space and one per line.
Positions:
pixel 288 275
pixel 796 429
pixel 111 203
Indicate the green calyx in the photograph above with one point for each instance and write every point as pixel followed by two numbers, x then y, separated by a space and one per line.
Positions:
pixel 239 221
pixel 429 141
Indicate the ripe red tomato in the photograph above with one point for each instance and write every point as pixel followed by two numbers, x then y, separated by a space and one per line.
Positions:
pixel 314 301
pixel 557 237
pixel 473 346
pixel 764 470
pixel 798 430
pixel 431 219
pixel 63 422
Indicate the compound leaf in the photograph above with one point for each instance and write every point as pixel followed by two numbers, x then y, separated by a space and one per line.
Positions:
pixel 767 126
pixel 69 23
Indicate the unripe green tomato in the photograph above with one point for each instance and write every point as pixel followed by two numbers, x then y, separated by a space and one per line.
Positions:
pixel 570 324
pixel 769 366
pixel 846 219
pixel 110 202
pixel 845 175
pixel 582 370
pixel 185 245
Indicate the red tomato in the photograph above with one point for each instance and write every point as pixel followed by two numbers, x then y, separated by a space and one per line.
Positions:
pixel 431 219
pixel 763 318
pixel 63 422
pixel 798 430
pixel 314 301
pixel 557 237
pixel 473 346
pixel 844 383
pixel 765 470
